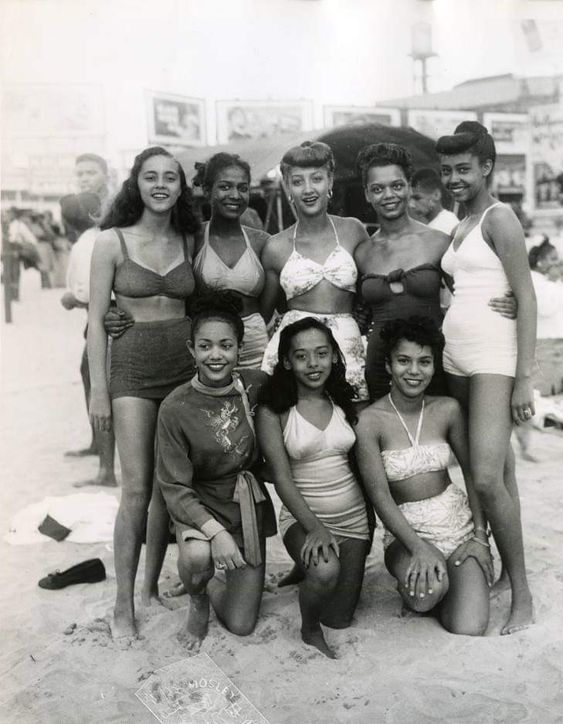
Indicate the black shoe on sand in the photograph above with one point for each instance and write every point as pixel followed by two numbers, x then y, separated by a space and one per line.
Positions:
pixel 91 571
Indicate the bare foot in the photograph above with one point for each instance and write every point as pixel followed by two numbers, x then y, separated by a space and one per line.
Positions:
pixel 521 614
pixel 122 626
pixel 104 482
pixel 198 621
pixel 92 450
pixel 316 638
pixel 151 598
pixel 177 590
pixel 295 576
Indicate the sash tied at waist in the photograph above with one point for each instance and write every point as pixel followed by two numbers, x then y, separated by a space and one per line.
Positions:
pixel 247 494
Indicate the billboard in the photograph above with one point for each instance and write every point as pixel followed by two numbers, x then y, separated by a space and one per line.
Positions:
pixel 437 123
pixel 357 115
pixel 240 120
pixel 175 120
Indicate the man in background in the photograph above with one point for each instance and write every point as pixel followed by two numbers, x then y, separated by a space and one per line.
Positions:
pixel 426 201
pixel 84 210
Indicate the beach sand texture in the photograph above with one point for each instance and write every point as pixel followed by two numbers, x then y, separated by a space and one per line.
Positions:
pixel 58 663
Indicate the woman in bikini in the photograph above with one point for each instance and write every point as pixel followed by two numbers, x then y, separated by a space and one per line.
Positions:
pixel 313 260
pixel 435 540
pixel 143 256
pixel 489 359
pixel 305 433
pixel 206 466
pixel 228 256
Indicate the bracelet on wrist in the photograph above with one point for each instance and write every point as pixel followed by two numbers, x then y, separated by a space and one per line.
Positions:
pixel 481 542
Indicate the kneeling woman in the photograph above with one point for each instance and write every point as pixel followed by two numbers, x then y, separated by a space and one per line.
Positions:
pixel 207 455
pixel 305 433
pixel 435 540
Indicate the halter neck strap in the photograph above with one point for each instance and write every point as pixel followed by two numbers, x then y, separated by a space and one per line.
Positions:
pixel 414 442
pixel 333 228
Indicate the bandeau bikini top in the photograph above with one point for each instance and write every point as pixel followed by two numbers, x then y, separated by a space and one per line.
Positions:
pixel 417 459
pixel 132 279
pixel 246 276
pixel 300 274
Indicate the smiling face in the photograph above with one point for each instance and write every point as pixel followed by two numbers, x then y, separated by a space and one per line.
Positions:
pixel 230 194
pixel 215 350
pixel 464 175
pixel 309 188
pixel 159 183
pixel 411 368
pixel 387 190
pixel 310 358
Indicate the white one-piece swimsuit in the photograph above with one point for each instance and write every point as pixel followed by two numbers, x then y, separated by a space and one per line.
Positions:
pixel 478 340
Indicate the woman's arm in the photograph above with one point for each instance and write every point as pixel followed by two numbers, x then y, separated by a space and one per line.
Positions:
pixel 272 288
pixel 270 439
pixel 101 282
pixel 503 230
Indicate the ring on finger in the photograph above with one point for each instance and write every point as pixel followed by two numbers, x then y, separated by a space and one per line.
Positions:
pixel 220 566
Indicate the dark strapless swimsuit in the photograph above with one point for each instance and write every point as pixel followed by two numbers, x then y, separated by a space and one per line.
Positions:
pixel 420 296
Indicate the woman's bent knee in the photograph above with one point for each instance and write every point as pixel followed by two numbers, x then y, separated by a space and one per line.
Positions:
pixel 324 574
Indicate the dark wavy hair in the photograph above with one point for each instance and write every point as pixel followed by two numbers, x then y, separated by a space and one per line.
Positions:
pixel 280 393
pixel 310 154
pixel 214 165
pixel 420 330
pixel 127 207
pixel 383 154
pixel 539 252
pixel 469 137
pixel 219 305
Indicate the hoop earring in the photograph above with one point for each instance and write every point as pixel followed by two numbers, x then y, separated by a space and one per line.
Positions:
pixel 329 193
pixel 290 199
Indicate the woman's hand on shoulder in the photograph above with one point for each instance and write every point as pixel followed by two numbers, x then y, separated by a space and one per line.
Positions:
pixel 319 541
pixel 225 552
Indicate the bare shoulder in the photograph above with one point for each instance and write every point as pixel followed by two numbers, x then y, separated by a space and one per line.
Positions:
pixel 277 248
pixel 257 237
pixel 501 222
pixel 352 227
pixel 372 418
pixel 107 244
pixel 433 238
pixel 442 406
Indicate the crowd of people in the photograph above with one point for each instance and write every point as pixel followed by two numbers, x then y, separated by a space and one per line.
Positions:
pixel 220 358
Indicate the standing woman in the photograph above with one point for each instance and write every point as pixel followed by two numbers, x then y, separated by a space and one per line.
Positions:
pixel 143 256
pixel 305 431
pixel 229 255
pixel 488 359
pixel 400 264
pixel 313 260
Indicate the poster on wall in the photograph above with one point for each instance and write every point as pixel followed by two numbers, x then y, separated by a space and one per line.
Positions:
pixel 511 131
pixel 437 123
pixel 52 111
pixel 240 120
pixel 547 156
pixel 175 120
pixel 358 115
pixel 509 177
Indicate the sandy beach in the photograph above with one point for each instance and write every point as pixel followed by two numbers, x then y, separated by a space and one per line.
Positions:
pixel 59 664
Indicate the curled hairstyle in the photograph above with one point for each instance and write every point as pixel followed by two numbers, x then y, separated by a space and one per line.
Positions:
pixel 469 137
pixel 217 163
pixel 420 330
pixel 540 252
pixel 217 305
pixel 383 154
pixel 280 393
pixel 310 154
pixel 127 207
